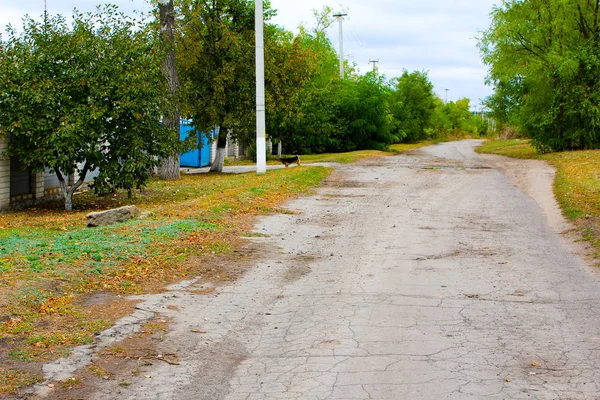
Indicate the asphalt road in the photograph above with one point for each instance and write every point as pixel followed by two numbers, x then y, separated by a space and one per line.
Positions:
pixel 424 276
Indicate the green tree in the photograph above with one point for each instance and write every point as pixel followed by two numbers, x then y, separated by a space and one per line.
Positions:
pixel 544 63
pixel 453 118
pixel 170 167
pixel 301 112
pixel 289 69
pixel 440 124
pixel 217 65
pixel 84 96
pixel 362 108
pixel 412 104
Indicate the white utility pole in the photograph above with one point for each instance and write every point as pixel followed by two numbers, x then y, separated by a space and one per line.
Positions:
pixel 340 17
pixel 261 129
pixel 374 62
pixel 446 102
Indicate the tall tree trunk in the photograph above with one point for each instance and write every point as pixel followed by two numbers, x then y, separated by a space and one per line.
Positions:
pixel 169 169
pixel 217 165
pixel 69 191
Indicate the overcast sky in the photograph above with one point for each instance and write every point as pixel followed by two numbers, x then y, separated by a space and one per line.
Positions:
pixel 437 36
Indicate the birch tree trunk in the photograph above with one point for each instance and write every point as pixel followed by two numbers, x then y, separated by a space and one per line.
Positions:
pixel 169 169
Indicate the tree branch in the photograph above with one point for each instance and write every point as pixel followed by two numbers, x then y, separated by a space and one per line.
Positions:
pixel 523 41
pixel 596 14
pixel 81 179
pixel 584 28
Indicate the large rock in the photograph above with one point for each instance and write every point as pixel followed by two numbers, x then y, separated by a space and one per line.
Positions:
pixel 113 216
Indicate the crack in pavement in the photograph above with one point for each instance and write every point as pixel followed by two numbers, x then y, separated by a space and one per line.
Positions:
pixel 399 279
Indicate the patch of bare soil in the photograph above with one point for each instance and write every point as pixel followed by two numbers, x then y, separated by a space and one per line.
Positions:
pixel 129 357
pixel 121 362
pixel 99 305
pixel 139 349
pixel 299 267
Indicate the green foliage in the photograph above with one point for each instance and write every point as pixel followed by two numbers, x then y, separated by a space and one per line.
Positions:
pixel 363 112
pixel 544 64
pixel 216 57
pixel 455 118
pixel 308 107
pixel 83 96
pixel 303 115
pixel 412 104
pixel 291 67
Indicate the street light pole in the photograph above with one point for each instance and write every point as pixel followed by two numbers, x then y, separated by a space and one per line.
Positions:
pixel 340 17
pixel 261 157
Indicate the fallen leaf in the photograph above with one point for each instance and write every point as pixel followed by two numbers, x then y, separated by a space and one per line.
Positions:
pixel 51 385
pixel 532 373
pixel 148 376
pixel 508 380
pixel 535 364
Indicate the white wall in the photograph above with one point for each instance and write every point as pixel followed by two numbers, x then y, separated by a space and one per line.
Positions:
pixel 4 177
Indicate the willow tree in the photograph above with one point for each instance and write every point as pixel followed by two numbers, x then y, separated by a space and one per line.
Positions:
pixel 544 64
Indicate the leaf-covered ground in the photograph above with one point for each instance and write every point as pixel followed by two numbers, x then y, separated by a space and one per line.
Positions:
pixel 51 264
pixel 577 184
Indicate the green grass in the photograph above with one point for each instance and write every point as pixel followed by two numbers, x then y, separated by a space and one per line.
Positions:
pixel 49 259
pixel 11 380
pixel 37 251
pixel 51 244
pixel 577 183
pixel 516 148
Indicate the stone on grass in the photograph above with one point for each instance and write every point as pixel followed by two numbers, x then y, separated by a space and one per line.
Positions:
pixel 113 216
pixel 146 215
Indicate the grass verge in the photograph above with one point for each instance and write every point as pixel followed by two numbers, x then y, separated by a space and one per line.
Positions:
pixel 51 264
pixel 577 183
pixel 341 158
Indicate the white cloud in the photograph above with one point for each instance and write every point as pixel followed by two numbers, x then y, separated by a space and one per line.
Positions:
pixel 433 35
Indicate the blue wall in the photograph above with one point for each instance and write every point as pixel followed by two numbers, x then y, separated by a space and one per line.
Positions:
pixel 199 157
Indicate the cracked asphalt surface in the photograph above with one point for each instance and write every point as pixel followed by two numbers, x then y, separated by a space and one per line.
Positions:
pixel 423 276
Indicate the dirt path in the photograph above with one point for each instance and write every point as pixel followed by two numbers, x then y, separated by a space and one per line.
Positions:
pixel 424 276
